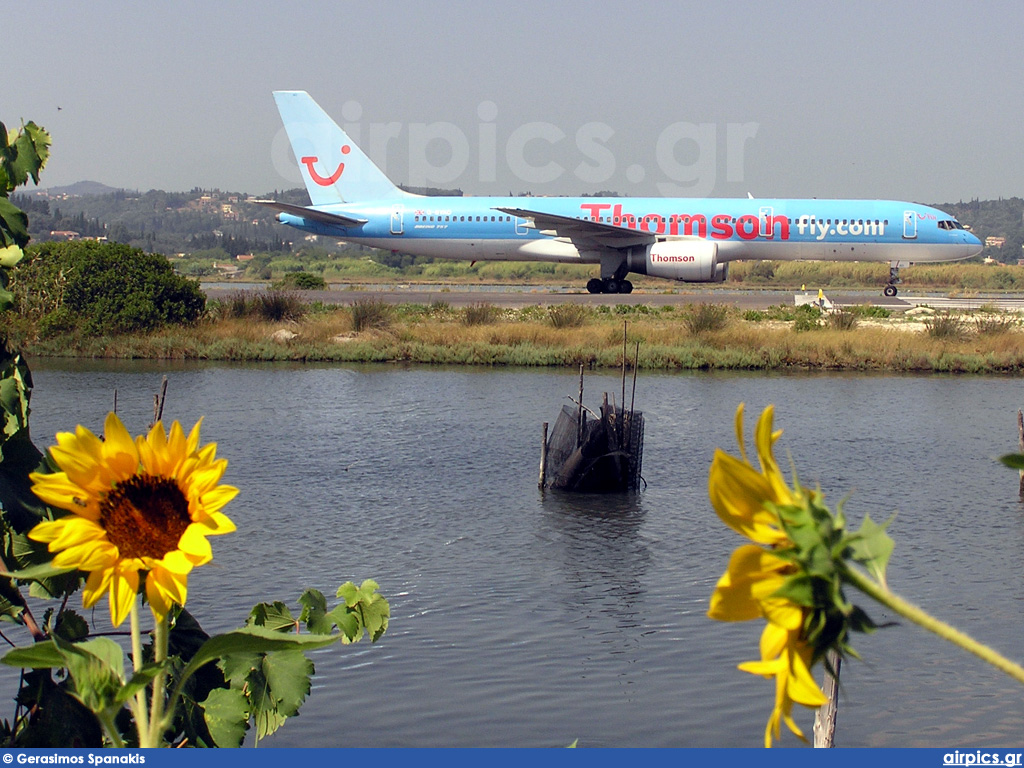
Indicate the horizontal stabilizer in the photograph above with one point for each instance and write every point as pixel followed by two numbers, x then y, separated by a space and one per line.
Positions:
pixel 312 214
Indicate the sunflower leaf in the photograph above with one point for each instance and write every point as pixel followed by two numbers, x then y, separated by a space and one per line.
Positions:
pixel 226 712
pixel 238 666
pixel 36 572
pixel 275 616
pixel 368 607
pixel 871 546
pixel 97 668
pixel 44 655
pixel 287 674
pixel 139 680
pixel 13 225
pixel 252 639
pixel 10 256
pixel 1013 460
pixel 314 612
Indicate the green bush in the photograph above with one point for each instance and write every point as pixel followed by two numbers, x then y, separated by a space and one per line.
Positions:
pixel 480 314
pixel 369 313
pixel 302 281
pixel 567 315
pixel 869 310
pixel 993 325
pixel 946 326
pixel 276 306
pixel 842 320
pixel 705 318
pixel 807 318
pixel 101 288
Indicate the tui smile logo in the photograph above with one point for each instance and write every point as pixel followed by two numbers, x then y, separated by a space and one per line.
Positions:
pixel 325 181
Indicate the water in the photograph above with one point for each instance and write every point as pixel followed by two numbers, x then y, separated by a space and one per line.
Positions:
pixel 529 619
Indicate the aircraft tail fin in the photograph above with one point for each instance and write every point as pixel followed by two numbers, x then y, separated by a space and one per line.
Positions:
pixel 333 168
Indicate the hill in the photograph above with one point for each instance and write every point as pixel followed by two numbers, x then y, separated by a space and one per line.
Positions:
pixel 174 223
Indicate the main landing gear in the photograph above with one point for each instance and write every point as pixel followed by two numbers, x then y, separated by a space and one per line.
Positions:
pixel 894 280
pixel 609 285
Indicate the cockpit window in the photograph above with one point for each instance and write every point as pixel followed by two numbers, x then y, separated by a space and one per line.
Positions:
pixel 950 224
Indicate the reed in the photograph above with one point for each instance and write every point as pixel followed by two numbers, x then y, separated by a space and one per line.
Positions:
pixel 374 331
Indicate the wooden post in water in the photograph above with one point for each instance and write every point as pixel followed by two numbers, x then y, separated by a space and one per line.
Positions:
pixel 622 422
pixel 543 459
pixel 1020 443
pixel 580 423
pixel 825 717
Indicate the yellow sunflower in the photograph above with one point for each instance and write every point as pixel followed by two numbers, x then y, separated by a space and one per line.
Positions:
pixel 738 491
pixel 750 587
pixel 146 504
pixel 787 658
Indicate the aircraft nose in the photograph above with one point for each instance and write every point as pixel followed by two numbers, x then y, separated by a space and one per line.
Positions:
pixel 972 243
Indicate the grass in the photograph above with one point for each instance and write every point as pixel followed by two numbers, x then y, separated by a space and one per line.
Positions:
pixel 706 318
pixel 785 338
pixel 958 277
pixel 369 314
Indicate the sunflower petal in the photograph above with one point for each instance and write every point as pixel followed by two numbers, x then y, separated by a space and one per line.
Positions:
pixel 124 586
pixel 163 589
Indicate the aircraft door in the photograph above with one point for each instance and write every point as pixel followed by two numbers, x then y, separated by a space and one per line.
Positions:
pixel 397 220
pixel 764 215
pixel 909 225
pixel 521 228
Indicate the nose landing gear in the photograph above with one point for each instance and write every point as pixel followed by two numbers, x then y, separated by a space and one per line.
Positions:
pixel 894 279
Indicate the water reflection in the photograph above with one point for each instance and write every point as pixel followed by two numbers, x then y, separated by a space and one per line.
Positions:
pixel 604 557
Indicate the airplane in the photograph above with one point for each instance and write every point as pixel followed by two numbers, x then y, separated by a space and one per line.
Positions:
pixel 691 240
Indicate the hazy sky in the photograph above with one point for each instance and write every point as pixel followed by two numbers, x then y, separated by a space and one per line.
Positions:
pixel 919 101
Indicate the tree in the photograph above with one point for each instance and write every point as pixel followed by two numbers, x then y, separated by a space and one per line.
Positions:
pixel 103 288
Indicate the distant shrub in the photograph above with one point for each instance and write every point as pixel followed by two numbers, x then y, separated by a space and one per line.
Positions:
pixel 368 314
pixel 993 325
pixel 567 315
pixel 945 326
pixel 301 281
pixel 275 306
pixel 761 272
pixel 783 312
pixel 238 305
pixel 480 314
pixel 705 318
pixel 842 320
pixel 869 310
pixel 807 317
pixel 103 288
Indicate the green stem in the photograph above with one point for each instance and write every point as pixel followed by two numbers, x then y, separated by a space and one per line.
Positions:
pixel 111 728
pixel 912 613
pixel 139 707
pixel 156 716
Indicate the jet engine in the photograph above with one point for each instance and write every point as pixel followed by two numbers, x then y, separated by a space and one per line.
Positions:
pixel 692 261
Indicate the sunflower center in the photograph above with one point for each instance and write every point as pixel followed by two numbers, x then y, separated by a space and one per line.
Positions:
pixel 145 516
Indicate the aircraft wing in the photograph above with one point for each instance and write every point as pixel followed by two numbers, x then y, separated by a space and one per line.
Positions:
pixel 312 214
pixel 583 233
